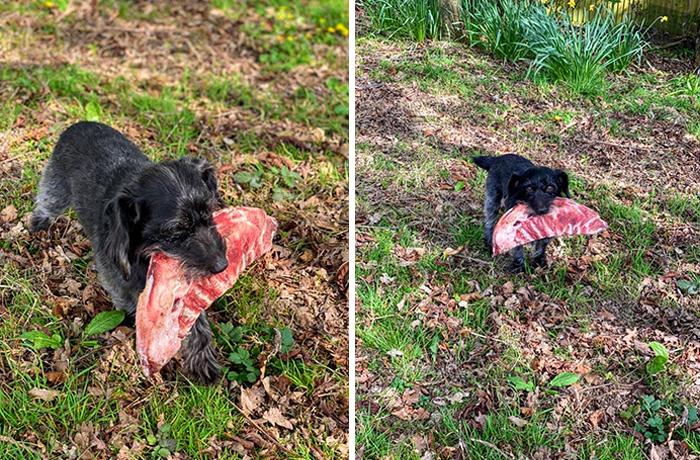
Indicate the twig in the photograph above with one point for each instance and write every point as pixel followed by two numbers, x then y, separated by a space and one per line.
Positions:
pixel 492 446
pixel 669 45
pixel 614 144
pixel 20 444
pixel 472 259
pixel 485 337
pixel 371 85
pixel 16 157
pixel 604 385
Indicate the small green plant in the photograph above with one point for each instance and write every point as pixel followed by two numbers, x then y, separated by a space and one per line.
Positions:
pixel 103 322
pixel 520 384
pixel 690 287
pixel 243 365
pixel 658 416
pixel 654 427
pixel 564 379
pixel 688 85
pixel 658 363
pixel 39 339
pixel 162 443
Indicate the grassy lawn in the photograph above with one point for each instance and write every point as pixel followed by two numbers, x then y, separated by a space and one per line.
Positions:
pixel 456 358
pixel 260 89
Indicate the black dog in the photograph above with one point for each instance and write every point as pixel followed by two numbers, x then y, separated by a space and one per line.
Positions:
pixel 130 208
pixel 513 179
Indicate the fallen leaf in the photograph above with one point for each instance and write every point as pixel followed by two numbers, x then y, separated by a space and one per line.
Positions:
pixel 8 214
pixel 520 423
pixel 43 394
pixel 394 353
pixel 251 398
pixel 275 417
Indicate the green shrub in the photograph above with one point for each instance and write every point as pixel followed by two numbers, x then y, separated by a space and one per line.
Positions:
pixel 582 55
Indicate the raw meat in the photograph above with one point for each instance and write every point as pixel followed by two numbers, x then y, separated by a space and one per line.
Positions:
pixel 170 304
pixel 565 217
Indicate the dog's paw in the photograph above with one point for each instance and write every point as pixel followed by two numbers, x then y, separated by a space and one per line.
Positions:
pixel 539 262
pixel 38 223
pixel 517 267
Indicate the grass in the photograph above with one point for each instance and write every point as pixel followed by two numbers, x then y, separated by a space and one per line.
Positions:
pixel 581 56
pixel 447 321
pixel 414 19
pixel 281 115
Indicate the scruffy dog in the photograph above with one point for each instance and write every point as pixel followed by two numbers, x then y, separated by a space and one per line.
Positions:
pixel 513 179
pixel 131 208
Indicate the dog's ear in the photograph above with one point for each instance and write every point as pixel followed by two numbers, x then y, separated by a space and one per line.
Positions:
pixel 563 183
pixel 208 173
pixel 514 186
pixel 122 215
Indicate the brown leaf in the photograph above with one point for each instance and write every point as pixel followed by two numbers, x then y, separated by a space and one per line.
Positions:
pixel 62 306
pixel 659 452
pixel 8 214
pixel 274 416
pixel 595 418
pixel 251 398
pixel 55 377
pixel 520 423
pixel 43 394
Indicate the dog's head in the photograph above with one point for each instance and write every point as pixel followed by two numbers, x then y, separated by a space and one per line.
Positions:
pixel 537 187
pixel 169 209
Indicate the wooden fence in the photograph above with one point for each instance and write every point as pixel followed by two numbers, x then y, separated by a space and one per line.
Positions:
pixel 680 17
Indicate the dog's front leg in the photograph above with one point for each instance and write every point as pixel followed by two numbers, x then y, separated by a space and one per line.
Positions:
pixel 540 257
pixel 200 357
pixel 491 206
pixel 517 259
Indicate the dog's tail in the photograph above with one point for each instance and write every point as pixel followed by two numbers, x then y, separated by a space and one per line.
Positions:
pixel 483 162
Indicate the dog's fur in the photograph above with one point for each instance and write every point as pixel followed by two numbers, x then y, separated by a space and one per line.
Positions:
pixel 131 208
pixel 513 179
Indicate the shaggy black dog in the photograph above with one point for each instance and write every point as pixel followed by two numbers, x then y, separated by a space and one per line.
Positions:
pixel 513 179
pixel 131 208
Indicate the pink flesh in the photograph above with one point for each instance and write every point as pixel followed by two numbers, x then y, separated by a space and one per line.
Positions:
pixel 565 217
pixel 169 305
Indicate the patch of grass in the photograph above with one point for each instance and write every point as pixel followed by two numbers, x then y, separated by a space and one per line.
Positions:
pixel 614 447
pixel 197 414
pixel 497 430
pixel 414 19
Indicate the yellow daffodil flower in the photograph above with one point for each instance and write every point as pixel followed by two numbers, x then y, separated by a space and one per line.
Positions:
pixel 664 19
pixel 572 3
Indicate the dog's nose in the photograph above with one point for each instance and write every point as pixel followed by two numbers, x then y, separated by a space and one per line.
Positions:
pixel 220 265
pixel 542 210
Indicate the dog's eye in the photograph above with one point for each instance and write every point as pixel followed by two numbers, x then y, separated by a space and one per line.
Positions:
pixel 531 188
pixel 550 189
